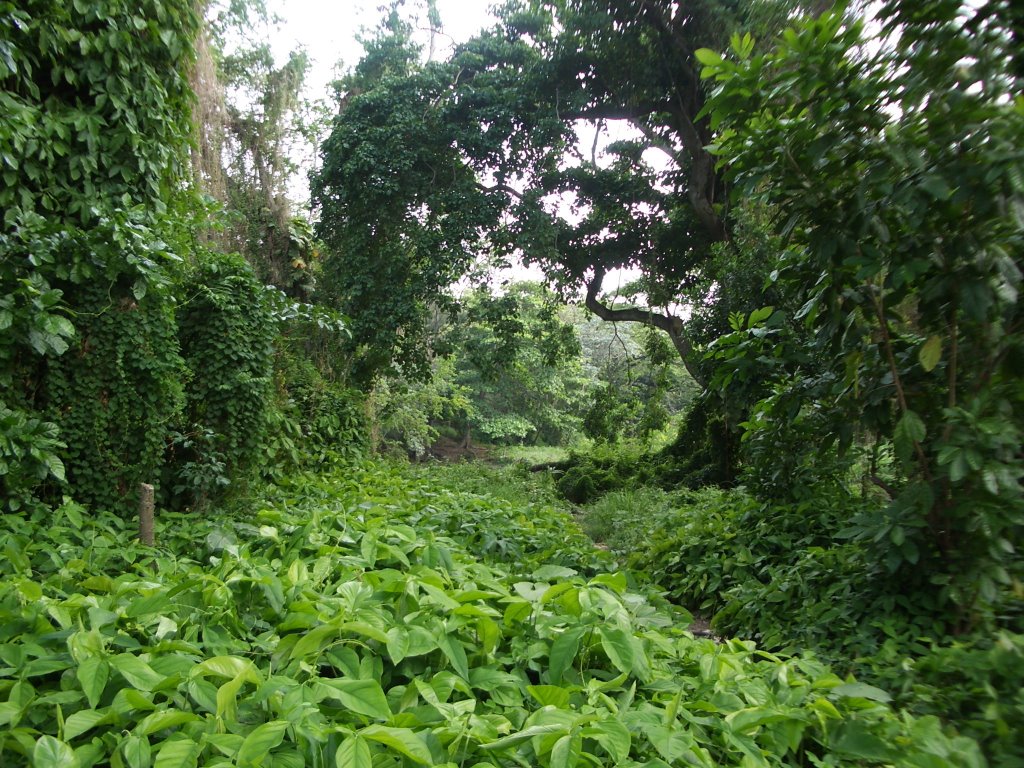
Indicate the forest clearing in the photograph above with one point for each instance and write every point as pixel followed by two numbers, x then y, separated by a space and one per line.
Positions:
pixel 641 384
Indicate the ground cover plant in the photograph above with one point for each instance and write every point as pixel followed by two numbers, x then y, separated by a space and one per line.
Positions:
pixel 347 619
pixel 778 574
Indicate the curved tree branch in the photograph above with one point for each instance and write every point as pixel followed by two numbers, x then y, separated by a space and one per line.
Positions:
pixel 671 325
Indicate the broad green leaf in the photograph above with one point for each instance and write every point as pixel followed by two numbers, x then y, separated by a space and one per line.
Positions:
pixel 671 742
pixel 82 721
pixel 230 667
pixel 354 752
pixel 563 651
pixel 402 740
pixel 758 316
pixel 489 634
pixel 364 697
pixel 614 581
pixel 555 590
pixel 92 674
pixel 227 697
pixel 861 691
pixel 853 738
pixel 136 671
pixel 749 718
pixel 225 743
pixel 30 590
pixel 314 641
pixel 525 735
pixel 53 753
pixel 909 430
pixel 707 57
pixel 619 647
pixel 397 644
pixel 166 718
pixel 158 602
pixel 452 648
pixel 550 695
pixel 364 629
pixel 930 353
pixel 421 641
pixel 137 752
pixel 178 752
pixel 566 751
pixel 259 742
pixel 553 572
pixel 519 610
pixel 128 699
pixel 613 737
pixel 9 713
pixel 912 426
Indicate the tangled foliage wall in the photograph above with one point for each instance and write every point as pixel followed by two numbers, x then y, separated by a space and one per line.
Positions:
pixel 93 155
pixel 226 330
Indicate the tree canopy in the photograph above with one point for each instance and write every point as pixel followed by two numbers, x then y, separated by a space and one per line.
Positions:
pixel 571 135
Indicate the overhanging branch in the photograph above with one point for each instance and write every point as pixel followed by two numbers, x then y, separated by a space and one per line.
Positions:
pixel 671 325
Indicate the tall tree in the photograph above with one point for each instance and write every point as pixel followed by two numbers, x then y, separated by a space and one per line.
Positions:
pixel 499 148
pixel 250 118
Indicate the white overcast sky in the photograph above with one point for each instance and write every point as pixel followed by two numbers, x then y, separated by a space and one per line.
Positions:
pixel 327 30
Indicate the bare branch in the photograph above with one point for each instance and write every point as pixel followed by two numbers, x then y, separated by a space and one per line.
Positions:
pixel 500 188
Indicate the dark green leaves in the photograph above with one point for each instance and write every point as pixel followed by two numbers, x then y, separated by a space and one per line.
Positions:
pixel 563 652
pixel 910 431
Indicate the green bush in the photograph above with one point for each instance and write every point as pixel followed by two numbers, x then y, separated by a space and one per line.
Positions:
pixel 605 467
pixel 781 574
pixel 778 574
pixel 625 520
pixel 705 452
pixel 29 457
pixel 95 139
pixel 227 333
pixel 332 416
pixel 978 684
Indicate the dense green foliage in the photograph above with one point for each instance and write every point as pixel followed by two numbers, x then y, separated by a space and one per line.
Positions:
pixel 502 149
pixel 519 363
pixel 830 246
pixel 337 624
pixel 776 574
pixel 225 327
pixel 93 147
pixel 903 256
pixel 115 392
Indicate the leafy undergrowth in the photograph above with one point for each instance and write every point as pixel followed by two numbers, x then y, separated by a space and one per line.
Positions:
pixel 778 574
pixel 368 618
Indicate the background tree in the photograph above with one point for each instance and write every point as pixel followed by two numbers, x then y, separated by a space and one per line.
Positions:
pixel 520 362
pixel 425 161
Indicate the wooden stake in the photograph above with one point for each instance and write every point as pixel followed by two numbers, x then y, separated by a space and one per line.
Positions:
pixel 146 514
